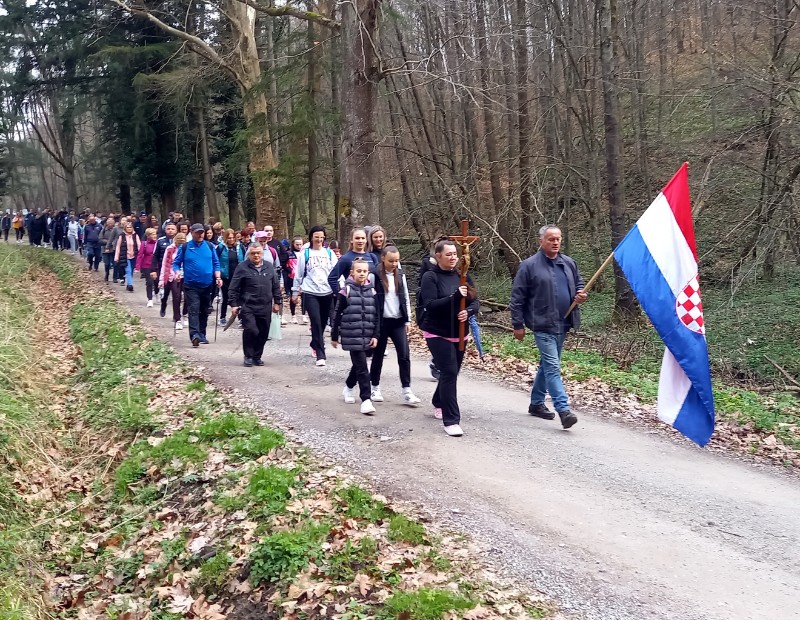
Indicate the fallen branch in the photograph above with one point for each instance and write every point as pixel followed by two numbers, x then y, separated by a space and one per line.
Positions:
pixel 785 373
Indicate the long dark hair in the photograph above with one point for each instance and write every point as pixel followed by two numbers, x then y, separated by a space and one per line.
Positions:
pixel 382 270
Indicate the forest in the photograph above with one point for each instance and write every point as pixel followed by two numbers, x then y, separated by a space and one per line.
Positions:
pixel 508 113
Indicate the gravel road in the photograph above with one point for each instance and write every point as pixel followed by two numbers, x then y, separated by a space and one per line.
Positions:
pixel 611 522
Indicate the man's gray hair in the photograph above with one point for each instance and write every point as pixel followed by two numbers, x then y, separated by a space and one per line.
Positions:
pixel 543 230
pixel 254 246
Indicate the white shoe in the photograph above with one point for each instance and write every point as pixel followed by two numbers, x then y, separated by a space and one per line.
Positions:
pixel 320 362
pixel 454 430
pixel 305 320
pixel 283 322
pixel 294 320
pixel 409 398
pixel 178 325
pixel 367 408
pixel 186 322
pixel 349 395
pixel 376 394
pixel 149 303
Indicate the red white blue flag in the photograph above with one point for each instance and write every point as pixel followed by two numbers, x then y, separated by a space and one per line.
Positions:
pixel 659 258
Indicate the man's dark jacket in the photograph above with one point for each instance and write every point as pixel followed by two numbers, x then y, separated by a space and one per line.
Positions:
pixel 254 292
pixel 533 300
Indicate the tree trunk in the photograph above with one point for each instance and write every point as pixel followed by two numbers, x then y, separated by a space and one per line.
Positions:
pixel 360 75
pixel 625 304
pixel 314 169
pixel 255 108
pixel 124 197
pixel 490 141
pixel 518 17
pixel 208 173
pixel 232 196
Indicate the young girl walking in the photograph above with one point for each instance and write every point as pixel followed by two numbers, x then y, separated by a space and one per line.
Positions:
pixel 394 313
pixel 144 262
pixel 168 279
pixel 356 320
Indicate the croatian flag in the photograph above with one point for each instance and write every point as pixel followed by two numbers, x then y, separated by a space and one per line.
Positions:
pixel 659 258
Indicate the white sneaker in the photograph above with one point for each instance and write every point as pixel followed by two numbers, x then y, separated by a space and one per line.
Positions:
pixel 149 303
pixel 294 320
pixel 437 413
pixel 178 325
pixel 376 394
pixel 305 320
pixel 367 408
pixel 454 430
pixel 283 322
pixel 409 398
pixel 320 362
pixel 186 322
pixel 349 395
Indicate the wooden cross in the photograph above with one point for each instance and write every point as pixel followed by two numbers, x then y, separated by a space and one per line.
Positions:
pixel 464 241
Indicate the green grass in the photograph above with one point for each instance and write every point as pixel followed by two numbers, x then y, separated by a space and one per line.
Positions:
pixel 424 604
pixel 281 556
pixel 214 573
pixel 169 457
pixel 359 504
pixel 269 489
pixel 352 559
pixel 401 528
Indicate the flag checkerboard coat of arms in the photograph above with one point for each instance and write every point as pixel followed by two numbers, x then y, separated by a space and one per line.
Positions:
pixel 659 258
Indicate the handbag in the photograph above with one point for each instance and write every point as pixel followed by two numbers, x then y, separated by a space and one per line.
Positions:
pixel 275 327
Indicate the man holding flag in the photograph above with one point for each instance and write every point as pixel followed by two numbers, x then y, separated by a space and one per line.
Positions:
pixel 545 288
pixel 659 258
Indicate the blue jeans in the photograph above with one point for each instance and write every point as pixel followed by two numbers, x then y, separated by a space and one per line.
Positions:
pixel 130 264
pixel 548 377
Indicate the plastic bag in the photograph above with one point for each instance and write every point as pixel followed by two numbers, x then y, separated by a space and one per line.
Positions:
pixel 275 327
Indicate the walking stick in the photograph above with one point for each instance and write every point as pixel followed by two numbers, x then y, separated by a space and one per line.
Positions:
pixel 216 319
pixel 464 240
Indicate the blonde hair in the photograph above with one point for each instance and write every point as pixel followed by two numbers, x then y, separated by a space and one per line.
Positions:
pixel 179 237
pixel 150 231
pixel 372 231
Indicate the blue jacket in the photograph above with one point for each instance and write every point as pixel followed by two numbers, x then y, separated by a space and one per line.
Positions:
pixel 91 233
pixel 533 299
pixel 198 261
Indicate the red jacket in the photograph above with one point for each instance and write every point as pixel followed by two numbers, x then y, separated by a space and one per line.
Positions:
pixel 145 256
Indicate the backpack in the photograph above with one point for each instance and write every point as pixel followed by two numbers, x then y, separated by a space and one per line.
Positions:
pixel 307 253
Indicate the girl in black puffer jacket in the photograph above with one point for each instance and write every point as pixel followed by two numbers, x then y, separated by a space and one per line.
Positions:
pixel 356 322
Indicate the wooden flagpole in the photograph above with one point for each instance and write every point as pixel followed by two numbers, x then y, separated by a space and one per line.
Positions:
pixel 591 281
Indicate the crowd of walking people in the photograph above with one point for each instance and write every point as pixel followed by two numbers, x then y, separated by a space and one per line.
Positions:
pixel 361 297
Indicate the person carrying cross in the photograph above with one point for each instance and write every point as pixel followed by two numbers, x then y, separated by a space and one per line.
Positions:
pixel 544 287
pixel 442 326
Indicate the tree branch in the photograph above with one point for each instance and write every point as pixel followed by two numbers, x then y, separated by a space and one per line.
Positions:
pixel 195 43
pixel 280 11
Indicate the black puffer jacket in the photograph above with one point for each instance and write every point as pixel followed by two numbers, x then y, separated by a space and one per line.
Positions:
pixel 254 292
pixel 356 320
pixel 442 301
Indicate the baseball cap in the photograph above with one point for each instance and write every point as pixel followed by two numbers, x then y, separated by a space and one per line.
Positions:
pixel 197 228
pixel 260 234
pixel 142 213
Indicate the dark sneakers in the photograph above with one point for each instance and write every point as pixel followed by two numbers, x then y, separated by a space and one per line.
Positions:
pixel 540 410
pixel 258 362
pixel 568 419
pixel 195 341
pixel 203 340
pixel 248 361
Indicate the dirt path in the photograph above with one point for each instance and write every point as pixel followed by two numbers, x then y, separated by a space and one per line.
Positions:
pixel 612 522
